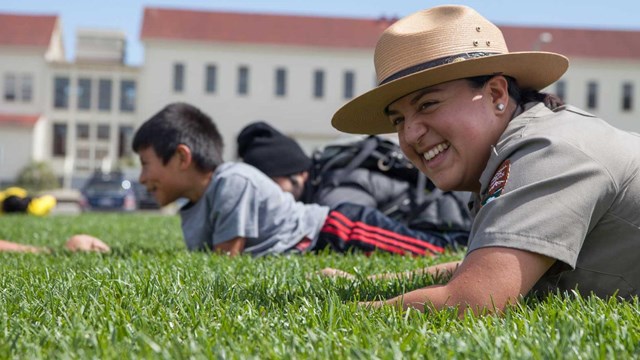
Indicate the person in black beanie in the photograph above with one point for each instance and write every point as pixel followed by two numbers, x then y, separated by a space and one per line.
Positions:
pixel 276 155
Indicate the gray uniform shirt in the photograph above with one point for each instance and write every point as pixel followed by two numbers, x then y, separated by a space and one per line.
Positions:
pixel 565 184
pixel 241 201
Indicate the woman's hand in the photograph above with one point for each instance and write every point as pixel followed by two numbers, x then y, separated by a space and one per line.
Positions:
pixel 330 272
pixel 83 242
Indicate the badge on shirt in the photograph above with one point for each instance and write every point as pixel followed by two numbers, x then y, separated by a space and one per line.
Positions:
pixel 498 182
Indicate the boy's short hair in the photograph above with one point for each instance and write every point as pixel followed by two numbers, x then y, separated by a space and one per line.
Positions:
pixel 182 123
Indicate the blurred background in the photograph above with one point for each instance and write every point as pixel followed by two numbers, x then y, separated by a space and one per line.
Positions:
pixel 78 77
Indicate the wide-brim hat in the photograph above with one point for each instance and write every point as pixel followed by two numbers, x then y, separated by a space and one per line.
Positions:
pixel 434 46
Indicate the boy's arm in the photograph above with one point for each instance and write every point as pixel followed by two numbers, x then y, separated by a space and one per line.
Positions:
pixel 232 247
pixel 83 242
pixel 15 247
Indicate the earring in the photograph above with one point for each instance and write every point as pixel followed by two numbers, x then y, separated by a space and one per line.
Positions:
pixel 500 106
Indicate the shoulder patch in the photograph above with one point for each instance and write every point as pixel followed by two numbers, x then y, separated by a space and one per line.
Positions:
pixel 498 182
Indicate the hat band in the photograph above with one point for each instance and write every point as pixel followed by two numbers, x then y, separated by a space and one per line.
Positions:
pixel 434 63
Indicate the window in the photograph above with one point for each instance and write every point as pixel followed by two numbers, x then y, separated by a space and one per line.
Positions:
pixel 243 80
pixel 61 92
pixel 18 88
pixel 103 132
pixel 627 96
pixel 104 94
pixel 84 93
pixel 83 154
pixel 561 89
pixel 318 84
pixel 210 79
pixel 26 87
pixel 592 95
pixel 101 154
pixel 125 137
pixel 127 96
pixel 178 77
pixel 82 131
pixel 59 139
pixel 10 87
pixel 349 79
pixel 281 82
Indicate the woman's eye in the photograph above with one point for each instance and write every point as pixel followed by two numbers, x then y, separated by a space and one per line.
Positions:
pixel 425 105
pixel 397 121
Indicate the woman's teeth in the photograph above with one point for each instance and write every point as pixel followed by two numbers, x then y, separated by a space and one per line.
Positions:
pixel 435 151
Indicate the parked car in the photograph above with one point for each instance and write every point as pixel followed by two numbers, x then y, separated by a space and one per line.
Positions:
pixel 113 191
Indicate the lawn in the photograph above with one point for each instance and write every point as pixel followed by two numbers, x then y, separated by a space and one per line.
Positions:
pixel 150 298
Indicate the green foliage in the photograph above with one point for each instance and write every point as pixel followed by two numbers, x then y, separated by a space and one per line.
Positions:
pixel 150 298
pixel 37 176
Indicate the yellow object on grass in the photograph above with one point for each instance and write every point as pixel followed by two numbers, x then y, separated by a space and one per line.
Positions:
pixel 39 206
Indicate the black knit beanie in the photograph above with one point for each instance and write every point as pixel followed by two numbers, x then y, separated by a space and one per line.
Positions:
pixel 272 152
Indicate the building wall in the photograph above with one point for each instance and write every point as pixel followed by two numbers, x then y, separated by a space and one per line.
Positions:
pixel 298 113
pixel 19 62
pixel 15 151
pixel 16 142
pixel 85 154
pixel 55 52
pixel 610 75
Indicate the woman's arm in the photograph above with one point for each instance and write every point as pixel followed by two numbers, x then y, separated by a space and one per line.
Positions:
pixel 445 269
pixel 488 279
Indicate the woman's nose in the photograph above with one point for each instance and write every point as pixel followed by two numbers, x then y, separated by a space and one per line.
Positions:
pixel 414 131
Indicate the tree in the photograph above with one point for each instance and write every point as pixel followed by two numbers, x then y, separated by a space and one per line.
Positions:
pixel 37 176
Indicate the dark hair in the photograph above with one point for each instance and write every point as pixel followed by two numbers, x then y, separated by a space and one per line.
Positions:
pixel 181 123
pixel 519 95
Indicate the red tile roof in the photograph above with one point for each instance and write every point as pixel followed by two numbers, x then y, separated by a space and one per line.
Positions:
pixel 18 120
pixel 174 24
pixel 590 43
pixel 26 30
pixel 261 28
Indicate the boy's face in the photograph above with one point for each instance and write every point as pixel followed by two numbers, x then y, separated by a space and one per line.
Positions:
pixel 162 181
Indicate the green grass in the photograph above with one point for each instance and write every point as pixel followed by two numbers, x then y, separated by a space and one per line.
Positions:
pixel 150 298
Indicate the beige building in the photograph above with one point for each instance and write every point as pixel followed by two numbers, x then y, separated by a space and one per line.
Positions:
pixel 292 71
pixel 27 45
pixel 77 116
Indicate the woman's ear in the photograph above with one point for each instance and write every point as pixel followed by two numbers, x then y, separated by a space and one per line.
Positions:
pixel 184 156
pixel 498 88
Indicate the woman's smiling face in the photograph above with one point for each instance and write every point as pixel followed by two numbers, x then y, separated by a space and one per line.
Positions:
pixel 447 130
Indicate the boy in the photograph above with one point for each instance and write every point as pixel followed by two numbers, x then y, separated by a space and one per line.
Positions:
pixel 235 208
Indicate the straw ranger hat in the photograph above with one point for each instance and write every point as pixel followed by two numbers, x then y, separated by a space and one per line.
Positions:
pixel 434 46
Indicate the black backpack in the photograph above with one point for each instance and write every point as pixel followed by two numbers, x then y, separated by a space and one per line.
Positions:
pixel 420 206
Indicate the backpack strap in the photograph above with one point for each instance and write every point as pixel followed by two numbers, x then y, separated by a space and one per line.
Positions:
pixel 367 147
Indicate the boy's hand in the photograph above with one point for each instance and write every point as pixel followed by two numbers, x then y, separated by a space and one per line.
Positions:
pixel 84 242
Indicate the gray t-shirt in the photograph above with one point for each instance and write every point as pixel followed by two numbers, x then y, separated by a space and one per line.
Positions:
pixel 241 201
pixel 565 184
